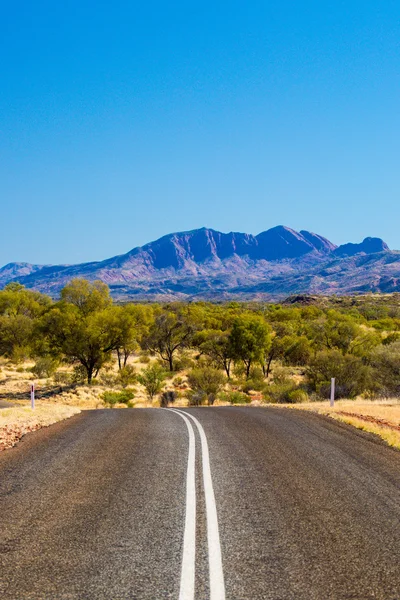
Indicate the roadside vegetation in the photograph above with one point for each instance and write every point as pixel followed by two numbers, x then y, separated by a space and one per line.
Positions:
pixel 88 351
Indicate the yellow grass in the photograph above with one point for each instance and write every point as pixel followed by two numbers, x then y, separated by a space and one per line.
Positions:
pixel 387 410
pixel 43 415
pixel 15 422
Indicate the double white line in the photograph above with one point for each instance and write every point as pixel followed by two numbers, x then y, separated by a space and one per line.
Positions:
pixel 187 586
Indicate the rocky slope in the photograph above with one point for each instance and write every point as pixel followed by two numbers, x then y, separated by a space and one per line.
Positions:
pixel 204 263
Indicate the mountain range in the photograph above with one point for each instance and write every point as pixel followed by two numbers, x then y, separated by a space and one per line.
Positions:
pixel 208 264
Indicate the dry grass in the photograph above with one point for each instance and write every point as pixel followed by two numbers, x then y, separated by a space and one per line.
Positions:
pixel 45 414
pixel 381 417
pixel 15 382
pixel 19 420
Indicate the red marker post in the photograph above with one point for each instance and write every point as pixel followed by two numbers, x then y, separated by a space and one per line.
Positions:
pixel 32 395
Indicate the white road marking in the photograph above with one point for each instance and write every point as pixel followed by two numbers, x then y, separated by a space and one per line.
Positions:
pixel 186 591
pixel 217 584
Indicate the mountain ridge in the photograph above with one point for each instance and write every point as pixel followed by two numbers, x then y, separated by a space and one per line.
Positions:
pixel 209 264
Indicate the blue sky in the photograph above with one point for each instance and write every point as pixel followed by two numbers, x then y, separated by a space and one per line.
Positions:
pixel 123 121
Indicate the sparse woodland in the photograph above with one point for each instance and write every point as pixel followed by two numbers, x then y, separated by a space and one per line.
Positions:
pixel 204 353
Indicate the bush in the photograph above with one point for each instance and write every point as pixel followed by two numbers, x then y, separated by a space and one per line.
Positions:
pixel 206 380
pixel 178 381
pixel 44 367
pixel 108 379
pixel 386 363
pixel 62 378
pixel 297 396
pixel 79 375
pixel 352 376
pixel 144 358
pixel 255 385
pixel 123 397
pixel 280 392
pixel 20 354
pixel 152 379
pixel 127 376
pixel 391 338
pixel 196 398
pixel 234 397
pixel 168 397
pixel 184 362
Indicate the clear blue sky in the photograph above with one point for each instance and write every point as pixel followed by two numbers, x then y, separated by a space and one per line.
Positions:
pixel 124 121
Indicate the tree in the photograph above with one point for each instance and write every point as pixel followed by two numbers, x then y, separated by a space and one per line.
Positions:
pixel 275 350
pixel 77 326
pixel 335 331
pixel 169 333
pixel 86 296
pixel 386 362
pixel 19 310
pixel 127 325
pixel 352 376
pixel 207 381
pixel 152 379
pixel 217 346
pixel 249 339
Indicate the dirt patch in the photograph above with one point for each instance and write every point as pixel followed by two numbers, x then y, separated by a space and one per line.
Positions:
pixel 369 419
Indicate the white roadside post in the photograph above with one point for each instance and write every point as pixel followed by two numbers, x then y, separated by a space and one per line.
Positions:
pixel 32 395
pixel 332 402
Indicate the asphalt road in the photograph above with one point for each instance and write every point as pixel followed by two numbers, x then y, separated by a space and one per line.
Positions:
pixel 111 505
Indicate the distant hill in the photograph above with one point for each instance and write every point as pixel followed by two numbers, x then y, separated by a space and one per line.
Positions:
pixel 208 264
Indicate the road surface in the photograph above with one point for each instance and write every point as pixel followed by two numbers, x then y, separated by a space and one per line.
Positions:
pixel 236 503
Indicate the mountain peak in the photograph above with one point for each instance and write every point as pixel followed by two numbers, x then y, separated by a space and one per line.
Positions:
pixel 370 245
pixel 205 263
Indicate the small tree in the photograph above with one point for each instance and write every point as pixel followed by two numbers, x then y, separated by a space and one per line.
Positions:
pixel 352 376
pixel 169 333
pixel 76 327
pixel 207 381
pixel 249 340
pixel 217 346
pixel 152 379
pixel 386 363
pixel 127 376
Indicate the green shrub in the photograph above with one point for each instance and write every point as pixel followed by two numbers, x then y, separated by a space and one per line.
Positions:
pixel 79 375
pixel 297 396
pixel 144 358
pixel 386 363
pixel 352 376
pixel 20 354
pixel 127 376
pixel 108 378
pixel 280 392
pixel 391 338
pixel 62 378
pixel 255 385
pixel 152 379
pixel 208 381
pixel 234 397
pixel 44 367
pixel 184 362
pixel 123 397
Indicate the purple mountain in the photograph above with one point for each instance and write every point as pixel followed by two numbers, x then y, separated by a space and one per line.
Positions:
pixel 205 263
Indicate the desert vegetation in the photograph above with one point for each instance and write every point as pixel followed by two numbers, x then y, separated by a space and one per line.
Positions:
pixel 201 353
